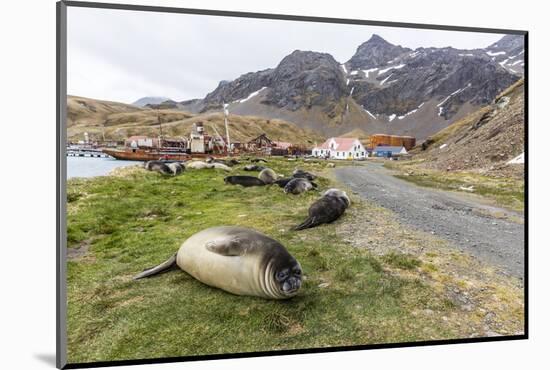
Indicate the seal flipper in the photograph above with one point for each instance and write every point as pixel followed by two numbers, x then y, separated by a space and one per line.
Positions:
pixel 308 223
pixel 167 265
pixel 227 247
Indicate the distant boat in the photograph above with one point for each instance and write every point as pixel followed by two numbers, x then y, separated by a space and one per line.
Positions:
pixel 146 155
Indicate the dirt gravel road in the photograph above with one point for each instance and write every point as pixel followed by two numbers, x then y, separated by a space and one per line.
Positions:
pixel 492 234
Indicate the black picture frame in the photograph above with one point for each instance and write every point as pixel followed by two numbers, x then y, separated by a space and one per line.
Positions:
pixel 61 168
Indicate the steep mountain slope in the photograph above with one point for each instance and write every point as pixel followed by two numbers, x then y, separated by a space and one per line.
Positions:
pixel 117 121
pixel 508 52
pixel 382 88
pixel 485 140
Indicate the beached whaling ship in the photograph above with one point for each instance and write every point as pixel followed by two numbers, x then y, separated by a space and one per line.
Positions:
pixel 199 144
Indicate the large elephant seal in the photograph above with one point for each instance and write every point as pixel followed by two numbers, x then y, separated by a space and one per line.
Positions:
pixel 267 175
pixel 238 260
pixel 298 186
pixel 245 181
pixel 327 209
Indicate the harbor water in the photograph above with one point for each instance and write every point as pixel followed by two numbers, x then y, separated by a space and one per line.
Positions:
pixel 91 167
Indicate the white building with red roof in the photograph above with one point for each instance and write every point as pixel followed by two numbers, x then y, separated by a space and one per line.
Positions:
pixel 340 148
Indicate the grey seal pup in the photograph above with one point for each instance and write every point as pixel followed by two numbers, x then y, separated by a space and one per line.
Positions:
pixel 268 176
pixel 327 209
pixel 298 186
pixel 303 175
pixel 176 168
pixel 238 260
pixel 245 181
pixel 253 167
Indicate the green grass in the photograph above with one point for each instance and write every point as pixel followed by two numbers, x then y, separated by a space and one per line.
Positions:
pixel 136 221
pixel 506 192
pixel 401 260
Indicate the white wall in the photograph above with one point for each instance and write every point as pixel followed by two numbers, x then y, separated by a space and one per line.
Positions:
pixel 28 200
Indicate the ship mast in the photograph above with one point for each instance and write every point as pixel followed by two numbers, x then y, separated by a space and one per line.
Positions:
pixel 160 128
pixel 225 114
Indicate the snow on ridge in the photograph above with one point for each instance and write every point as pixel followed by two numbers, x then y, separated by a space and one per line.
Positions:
pixel 442 146
pixel 382 71
pixel 344 68
pixel 251 95
pixel 440 111
pixel 492 54
pixel 367 71
pixel 517 62
pixel 381 83
pixel 503 63
pixel 454 93
pixel 351 92
pixel 392 117
pixel 414 55
pixel 466 55
pixel 420 106
pixel 407 114
pixel 347 81
pixel 370 114
pixel 353 73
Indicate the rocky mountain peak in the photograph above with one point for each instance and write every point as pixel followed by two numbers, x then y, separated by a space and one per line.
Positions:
pixel 375 52
pixel 508 42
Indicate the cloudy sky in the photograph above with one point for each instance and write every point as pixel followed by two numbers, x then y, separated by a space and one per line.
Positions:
pixel 123 55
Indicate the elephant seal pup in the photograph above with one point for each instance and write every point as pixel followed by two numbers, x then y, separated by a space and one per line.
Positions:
pixel 245 181
pixel 282 182
pixel 176 168
pixel 253 167
pixel 299 186
pixel 152 165
pixel 268 176
pixel 303 175
pixel 158 166
pixel 238 260
pixel 220 166
pixel 197 165
pixel 327 209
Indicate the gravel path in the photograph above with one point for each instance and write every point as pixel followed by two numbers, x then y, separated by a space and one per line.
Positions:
pixel 462 220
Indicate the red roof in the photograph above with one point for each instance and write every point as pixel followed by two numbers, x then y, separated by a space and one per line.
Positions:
pixel 282 144
pixel 341 143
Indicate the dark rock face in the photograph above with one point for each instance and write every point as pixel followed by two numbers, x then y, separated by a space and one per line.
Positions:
pixel 302 79
pixel 305 79
pixel 375 52
pixel 240 88
pixel 509 53
pixel 451 76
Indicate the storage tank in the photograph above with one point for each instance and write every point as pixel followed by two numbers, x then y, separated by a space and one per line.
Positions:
pixel 409 142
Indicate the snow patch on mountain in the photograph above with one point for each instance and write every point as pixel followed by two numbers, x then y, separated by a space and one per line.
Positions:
pixel 251 95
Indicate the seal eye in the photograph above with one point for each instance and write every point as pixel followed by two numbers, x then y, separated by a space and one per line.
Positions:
pixel 280 275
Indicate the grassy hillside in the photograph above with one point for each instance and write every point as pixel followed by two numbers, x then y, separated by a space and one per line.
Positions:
pixel 118 121
pixel 484 140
